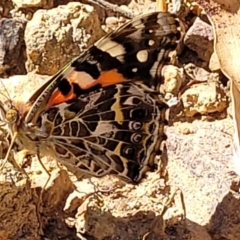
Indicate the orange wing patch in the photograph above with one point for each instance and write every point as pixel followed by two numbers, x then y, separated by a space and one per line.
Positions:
pixel 110 77
pixel 57 97
pixel 85 81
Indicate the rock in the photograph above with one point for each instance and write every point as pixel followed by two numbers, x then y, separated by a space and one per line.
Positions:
pixel 192 231
pixel 101 12
pixel 33 3
pixel 199 164
pixel 204 98
pixel 21 87
pixel 57 190
pixel 94 222
pixel 5 8
pixel 101 216
pixel 173 79
pixel 198 73
pixel 199 38
pixel 52 199
pixel 12 47
pixel 112 22
pixel 226 222
pixel 184 128
pixel 214 64
pixel 4 234
pixel 198 232
pixel 53 37
pixel 18 216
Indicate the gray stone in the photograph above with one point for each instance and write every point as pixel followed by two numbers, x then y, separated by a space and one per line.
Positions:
pixel 199 38
pixel 54 37
pixel 12 47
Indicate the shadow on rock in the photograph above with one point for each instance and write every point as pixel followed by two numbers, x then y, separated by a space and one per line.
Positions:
pixel 225 222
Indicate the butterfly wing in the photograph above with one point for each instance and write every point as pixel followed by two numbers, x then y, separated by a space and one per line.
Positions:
pixel 137 51
pixel 113 130
pixel 99 115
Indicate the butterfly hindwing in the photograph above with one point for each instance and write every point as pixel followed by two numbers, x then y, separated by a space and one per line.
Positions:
pixel 114 130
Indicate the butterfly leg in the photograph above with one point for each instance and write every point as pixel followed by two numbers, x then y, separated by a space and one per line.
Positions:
pixel 17 161
pixel 20 160
pixel 4 141
pixel 20 156
pixel 5 160
pixel 163 162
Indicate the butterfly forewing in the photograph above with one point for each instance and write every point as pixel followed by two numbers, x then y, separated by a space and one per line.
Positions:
pixel 137 51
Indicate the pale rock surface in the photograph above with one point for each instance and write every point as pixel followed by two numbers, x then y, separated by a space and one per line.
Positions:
pixel 214 64
pixel 173 79
pixel 204 98
pixel 54 37
pixel 33 3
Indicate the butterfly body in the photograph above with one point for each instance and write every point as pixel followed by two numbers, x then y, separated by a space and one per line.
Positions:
pixel 101 114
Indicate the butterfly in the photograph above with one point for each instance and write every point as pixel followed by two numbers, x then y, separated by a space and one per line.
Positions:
pixel 102 114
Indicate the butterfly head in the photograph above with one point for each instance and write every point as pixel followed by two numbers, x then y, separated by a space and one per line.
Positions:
pixel 12 115
pixel 9 117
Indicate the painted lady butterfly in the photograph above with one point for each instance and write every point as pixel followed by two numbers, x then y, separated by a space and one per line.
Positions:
pixel 101 114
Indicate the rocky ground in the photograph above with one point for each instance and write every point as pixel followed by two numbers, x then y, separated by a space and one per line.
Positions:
pixel 197 197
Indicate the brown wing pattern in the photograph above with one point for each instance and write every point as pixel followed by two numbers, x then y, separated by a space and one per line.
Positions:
pixel 115 130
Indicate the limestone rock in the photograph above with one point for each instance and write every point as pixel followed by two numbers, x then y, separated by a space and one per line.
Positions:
pixel 21 87
pixel 53 37
pixel 33 3
pixel 194 72
pixel 173 79
pixel 204 98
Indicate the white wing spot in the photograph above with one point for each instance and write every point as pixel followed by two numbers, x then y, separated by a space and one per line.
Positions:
pixel 151 42
pixel 142 56
pixel 134 70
